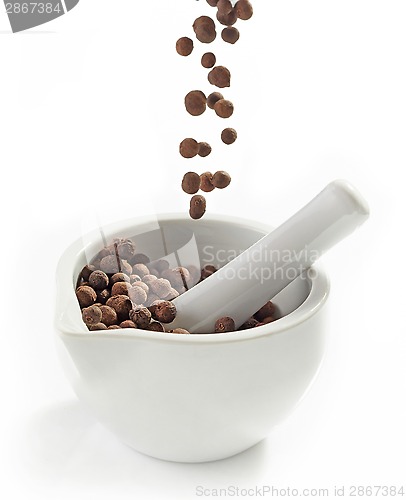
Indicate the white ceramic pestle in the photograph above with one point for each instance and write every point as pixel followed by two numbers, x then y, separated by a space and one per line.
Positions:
pixel 245 284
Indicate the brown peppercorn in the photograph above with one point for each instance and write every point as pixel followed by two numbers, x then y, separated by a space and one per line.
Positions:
pixel 148 278
pixel 195 102
pixel 220 76
pixel 134 278
pixel 103 295
pixel 207 271
pixel 98 280
pixel 180 331
pixel 244 10
pixel 208 60
pixel 224 6
pixel 127 324
pixel 184 46
pixel 119 278
pixel 204 149
pixel 122 305
pixel 229 136
pixel 111 264
pixel 113 327
pixel 213 98
pixel 155 326
pixel 91 315
pixel 172 294
pixel 142 285
pixel 205 29
pixel 266 310
pixel 250 323
pixel 221 179
pixel 120 288
pixel 126 268
pixel 178 277
pixel 99 326
pixel 109 315
pixel 197 206
pixel 212 3
pixel 230 34
pixel 137 295
pixel 206 182
pixel 126 249
pixel 268 320
pixel 140 270
pixel 227 19
pixel 161 287
pixel 224 108
pixel 188 148
pixel 163 311
pixel 225 324
pixel 86 296
pixel 139 258
pixel 86 272
pixel 141 316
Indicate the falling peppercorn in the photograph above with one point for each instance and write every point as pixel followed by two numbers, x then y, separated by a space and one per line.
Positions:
pixel 224 108
pixel 208 60
pixel 230 34
pixel 221 179
pixel 206 182
pixel 213 98
pixel 229 136
pixel 189 148
pixel 184 46
pixel 204 149
pixel 205 29
pixel 197 206
pixel 195 102
pixel 191 183
pixel 244 10
pixel 220 77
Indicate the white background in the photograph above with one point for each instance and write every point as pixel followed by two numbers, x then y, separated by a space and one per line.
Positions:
pixel 91 115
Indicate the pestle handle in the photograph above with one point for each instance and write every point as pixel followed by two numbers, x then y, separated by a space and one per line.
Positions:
pixel 244 285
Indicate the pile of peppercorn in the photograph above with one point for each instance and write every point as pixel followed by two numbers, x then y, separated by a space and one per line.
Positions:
pixel 121 288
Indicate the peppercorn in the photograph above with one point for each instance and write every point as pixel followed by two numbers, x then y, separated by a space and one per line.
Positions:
pixel 266 310
pixel 149 278
pixel 221 179
pixel 208 60
pixel 91 315
pixel 139 258
pixel 250 323
pixel 98 280
pixel 103 295
pixel 121 304
pixel 224 6
pixel 141 270
pixel 205 29
pixel 224 108
pixel 142 285
pixel 206 182
pixel 137 295
pixel 207 271
pixel 189 148
pixel 109 315
pixel 229 136
pixel 161 287
pixel 227 19
pixel 244 10
pixel 126 268
pixel 126 249
pixel 120 288
pixel 160 265
pixel 212 3
pixel 195 102
pixel 86 272
pixel 172 294
pixel 230 34
pixel 180 331
pixel 155 326
pixel 119 278
pixel 184 46
pixel 213 98
pixel 141 316
pixel 113 327
pixel 110 264
pixel 134 278
pixel 127 324
pixel 220 76
pixel 99 326
pixel 225 324
pixel 163 311
pixel 86 296
pixel 204 149
pixel 197 207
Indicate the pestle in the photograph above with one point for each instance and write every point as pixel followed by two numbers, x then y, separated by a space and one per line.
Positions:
pixel 245 284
